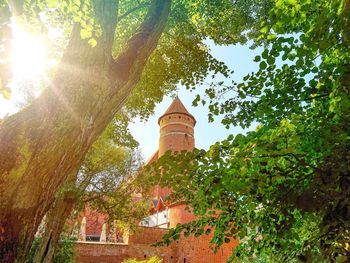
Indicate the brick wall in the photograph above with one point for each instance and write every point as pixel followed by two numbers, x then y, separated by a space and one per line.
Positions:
pixel 178 214
pixel 198 250
pixel 189 250
pixel 139 247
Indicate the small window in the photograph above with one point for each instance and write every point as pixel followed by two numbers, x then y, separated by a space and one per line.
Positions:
pixel 93 238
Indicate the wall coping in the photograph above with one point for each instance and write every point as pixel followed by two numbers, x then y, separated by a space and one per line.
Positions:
pixel 100 243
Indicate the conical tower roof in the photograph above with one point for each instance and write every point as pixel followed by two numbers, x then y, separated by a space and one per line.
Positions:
pixel 176 107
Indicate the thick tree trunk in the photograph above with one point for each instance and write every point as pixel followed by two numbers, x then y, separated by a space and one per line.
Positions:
pixel 55 221
pixel 48 140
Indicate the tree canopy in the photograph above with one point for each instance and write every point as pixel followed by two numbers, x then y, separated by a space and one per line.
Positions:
pixel 283 189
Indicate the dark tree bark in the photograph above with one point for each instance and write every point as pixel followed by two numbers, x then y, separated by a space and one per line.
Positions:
pixel 44 143
pixel 55 221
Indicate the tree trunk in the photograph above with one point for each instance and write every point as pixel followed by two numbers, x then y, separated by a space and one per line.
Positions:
pixel 55 221
pixel 48 140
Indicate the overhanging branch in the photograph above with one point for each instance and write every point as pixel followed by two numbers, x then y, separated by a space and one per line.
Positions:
pixel 143 42
pixel 136 8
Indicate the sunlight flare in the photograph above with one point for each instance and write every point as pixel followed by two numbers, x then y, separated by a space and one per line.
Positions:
pixel 30 65
pixel 28 55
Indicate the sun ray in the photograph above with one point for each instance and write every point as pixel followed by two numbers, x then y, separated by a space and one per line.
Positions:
pixel 30 65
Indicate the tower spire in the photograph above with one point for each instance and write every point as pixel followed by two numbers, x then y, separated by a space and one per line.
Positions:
pixel 177 107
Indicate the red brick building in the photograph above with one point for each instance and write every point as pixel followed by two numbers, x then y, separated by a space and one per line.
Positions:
pixel 176 134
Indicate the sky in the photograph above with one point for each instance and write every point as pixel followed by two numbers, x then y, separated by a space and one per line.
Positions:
pixel 240 59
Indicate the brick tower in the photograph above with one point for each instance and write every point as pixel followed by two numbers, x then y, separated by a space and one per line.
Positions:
pixel 176 129
pixel 176 135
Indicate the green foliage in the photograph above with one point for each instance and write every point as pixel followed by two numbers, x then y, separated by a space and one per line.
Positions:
pixel 283 190
pixel 64 252
pixel 311 45
pixel 106 182
pixel 150 260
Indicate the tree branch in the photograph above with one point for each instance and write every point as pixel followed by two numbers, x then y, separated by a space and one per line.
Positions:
pixel 140 6
pixel 315 97
pixel 143 42
pixel 304 163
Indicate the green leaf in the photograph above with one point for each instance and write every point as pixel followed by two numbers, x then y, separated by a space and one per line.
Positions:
pixel 264 29
pixel 271 36
pixel 271 60
pixel 262 65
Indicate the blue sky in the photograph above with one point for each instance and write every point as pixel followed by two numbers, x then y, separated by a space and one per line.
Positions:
pixel 240 59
